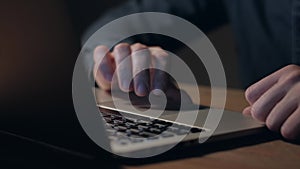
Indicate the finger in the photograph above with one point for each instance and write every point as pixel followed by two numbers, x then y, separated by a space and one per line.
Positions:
pixel 281 112
pixel 160 78
pixel 124 66
pixel 258 89
pixel 263 106
pixel 291 127
pixel 247 111
pixel 103 68
pixel 140 61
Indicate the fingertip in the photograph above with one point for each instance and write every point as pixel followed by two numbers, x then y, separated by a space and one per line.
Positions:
pixel 106 86
pixel 247 111
pixel 141 90
pixel 121 51
pixel 287 133
pixel 100 51
pixel 160 81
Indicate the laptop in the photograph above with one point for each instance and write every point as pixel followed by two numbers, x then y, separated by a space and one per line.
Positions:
pixel 136 134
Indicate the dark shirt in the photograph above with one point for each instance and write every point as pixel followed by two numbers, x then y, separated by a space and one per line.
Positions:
pixel 266 31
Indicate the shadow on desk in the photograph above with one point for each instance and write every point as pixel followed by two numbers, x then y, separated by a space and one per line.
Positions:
pixel 182 151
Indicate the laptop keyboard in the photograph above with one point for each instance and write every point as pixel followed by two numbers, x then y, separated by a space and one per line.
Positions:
pixel 138 129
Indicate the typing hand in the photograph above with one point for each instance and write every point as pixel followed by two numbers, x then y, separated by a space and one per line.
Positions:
pixel 275 100
pixel 127 62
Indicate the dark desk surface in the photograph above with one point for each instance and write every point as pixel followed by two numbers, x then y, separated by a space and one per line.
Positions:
pixel 272 154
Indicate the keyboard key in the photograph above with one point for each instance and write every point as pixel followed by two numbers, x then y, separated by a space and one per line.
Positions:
pixel 105 115
pixel 118 122
pixel 130 124
pixel 160 126
pixel 116 117
pixel 142 128
pixel 163 122
pixel 155 130
pixel 134 131
pixel 146 134
pixel 131 120
pixel 108 119
pixel 120 128
pixel 144 123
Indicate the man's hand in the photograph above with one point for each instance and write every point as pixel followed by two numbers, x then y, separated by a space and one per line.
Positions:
pixel 130 64
pixel 129 60
pixel 275 100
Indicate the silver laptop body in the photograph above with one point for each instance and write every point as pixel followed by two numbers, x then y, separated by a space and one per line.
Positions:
pixel 133 134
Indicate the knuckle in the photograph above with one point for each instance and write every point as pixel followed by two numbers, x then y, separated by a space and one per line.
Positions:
pixel 100 50
pixel 292 67
pixel 156 48
pixel 138 46
pixel 256 113
pixel 294 98
pixel 249 94
pixel 122 46
pixel 158 52
pixel 291 78
pixel 121 51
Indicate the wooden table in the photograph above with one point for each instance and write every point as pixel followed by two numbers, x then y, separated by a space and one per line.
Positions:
pixel 272 154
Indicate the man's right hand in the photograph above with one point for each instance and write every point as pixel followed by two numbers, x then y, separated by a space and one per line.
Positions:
pixel 130 64
pixel 128 60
